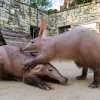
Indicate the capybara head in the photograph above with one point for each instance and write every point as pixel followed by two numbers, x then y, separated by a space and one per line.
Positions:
pixel 36 43
pixel 49 71
pixel 32 45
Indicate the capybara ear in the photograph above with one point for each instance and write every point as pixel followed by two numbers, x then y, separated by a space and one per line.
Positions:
pixel 36 70
pixel 42 32
pixel 65 2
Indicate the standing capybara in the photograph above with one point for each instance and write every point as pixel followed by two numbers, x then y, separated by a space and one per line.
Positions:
pixel 11 62
pixel 81 44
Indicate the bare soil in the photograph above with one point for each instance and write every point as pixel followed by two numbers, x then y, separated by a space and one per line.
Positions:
pixel 74 90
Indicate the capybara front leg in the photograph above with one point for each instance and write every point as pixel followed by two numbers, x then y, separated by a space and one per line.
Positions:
pixel 96 81
pixel 84 74
pixel 40 59
pixel 36 81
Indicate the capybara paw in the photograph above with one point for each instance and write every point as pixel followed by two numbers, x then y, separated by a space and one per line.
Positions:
pixel 27 66
pixel 45 86
pixel 95 85
pixel 80 77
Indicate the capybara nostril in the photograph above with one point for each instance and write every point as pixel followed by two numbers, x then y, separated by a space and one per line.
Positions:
pixel 66 79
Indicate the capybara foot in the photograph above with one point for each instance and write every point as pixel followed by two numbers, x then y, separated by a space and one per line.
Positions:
pixel 80 77
pixel 45 86
pixel 24 68
pixel 95 85
pixel 17 79
pixel 28 66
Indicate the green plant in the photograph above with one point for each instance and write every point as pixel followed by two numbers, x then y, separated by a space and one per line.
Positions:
pixel 42 4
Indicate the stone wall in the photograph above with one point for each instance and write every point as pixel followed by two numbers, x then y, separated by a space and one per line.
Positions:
pixel 18 17
pixel 81 15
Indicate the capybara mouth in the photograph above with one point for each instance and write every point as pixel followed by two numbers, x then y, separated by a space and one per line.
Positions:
pixel 24 49
pixel 63 81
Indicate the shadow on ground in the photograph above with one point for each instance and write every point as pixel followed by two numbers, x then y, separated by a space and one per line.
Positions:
pixel 74 90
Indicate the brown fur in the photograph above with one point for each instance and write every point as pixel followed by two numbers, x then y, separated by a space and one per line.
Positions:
pixel 11 62
pixel 82 45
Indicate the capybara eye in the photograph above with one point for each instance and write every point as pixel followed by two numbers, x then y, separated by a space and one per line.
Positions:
pixel 50 70
pixel 32 42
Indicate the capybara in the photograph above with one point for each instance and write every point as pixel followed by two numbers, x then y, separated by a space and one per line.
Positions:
pixel 81 45
pixel 12 59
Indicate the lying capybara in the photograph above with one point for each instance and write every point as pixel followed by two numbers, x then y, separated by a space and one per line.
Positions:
pixel 81 44
pixel 12 60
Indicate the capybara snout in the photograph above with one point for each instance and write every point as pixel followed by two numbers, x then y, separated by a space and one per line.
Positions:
pixel 49 71
pixel 64 81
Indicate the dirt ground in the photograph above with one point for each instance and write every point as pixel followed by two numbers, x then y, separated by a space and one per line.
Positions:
pixel 74 90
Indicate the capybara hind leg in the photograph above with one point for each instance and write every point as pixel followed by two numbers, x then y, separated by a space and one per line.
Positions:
pixel 96 81
pixel 1 74
pixel 10 77
pixel 36 81
pixel 84 74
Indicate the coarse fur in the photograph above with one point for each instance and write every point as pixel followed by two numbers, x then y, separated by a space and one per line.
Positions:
pixel 12 59
pixel 70 48
pixel 81 45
